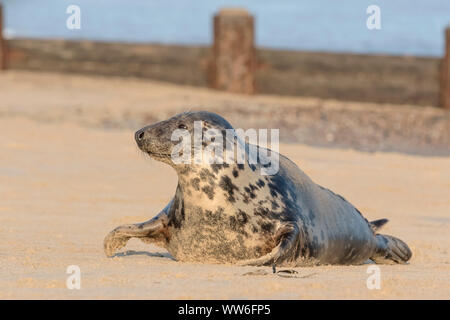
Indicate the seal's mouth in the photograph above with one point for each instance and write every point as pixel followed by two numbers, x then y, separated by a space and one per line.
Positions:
pixel 158 155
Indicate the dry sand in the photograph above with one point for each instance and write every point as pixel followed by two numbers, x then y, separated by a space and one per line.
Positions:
pixel 66 181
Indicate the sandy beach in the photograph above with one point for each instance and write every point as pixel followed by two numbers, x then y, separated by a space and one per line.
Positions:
pixel 70 172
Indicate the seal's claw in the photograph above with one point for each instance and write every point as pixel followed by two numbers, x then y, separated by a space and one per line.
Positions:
pixel 265 260
pixel 114 242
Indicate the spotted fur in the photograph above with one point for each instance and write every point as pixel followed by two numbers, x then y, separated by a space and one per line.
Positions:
pixel 230 213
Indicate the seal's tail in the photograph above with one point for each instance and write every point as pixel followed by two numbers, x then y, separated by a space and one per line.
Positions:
pixel 376 225
pixel 391 250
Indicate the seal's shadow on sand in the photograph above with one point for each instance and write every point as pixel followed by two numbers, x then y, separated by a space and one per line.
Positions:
pixel 144 253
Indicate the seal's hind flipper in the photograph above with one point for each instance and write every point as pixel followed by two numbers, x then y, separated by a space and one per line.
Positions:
pixel 391 250
pixel 378 224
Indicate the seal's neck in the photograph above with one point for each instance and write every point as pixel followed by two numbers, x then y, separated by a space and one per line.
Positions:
pixel 210 180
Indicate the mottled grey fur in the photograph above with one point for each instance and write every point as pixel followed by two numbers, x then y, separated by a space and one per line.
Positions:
pixel 230 213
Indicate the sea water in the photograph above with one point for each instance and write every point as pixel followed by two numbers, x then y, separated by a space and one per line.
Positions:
pixel 408 27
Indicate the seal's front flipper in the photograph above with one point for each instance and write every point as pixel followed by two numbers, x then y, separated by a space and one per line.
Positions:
pixel 391 250
pixel 150 231
pixel 289 241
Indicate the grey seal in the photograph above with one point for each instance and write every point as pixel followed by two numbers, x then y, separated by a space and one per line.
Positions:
pixel 231 213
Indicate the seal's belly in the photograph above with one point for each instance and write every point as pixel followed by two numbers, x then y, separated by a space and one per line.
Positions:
pixel 221 235
pixel 220 245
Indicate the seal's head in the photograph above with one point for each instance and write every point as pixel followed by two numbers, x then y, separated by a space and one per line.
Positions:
pixel 159 140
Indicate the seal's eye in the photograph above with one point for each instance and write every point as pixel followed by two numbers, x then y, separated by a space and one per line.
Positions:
pixel 182 126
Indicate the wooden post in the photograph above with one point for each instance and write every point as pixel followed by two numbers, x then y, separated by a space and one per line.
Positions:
pixel 233 63
pixel 2 43
pixel 445 73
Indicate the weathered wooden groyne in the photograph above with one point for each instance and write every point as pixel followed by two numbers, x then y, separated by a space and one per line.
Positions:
pixel 234 64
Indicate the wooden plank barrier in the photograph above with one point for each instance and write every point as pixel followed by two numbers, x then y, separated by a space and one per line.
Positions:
pixel 233 61
pixel 445 73
pixel 3 53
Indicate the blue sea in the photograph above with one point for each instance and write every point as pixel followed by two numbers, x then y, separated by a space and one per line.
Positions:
pixel 408 27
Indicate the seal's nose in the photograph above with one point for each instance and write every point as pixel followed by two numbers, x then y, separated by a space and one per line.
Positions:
pixel 139 136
